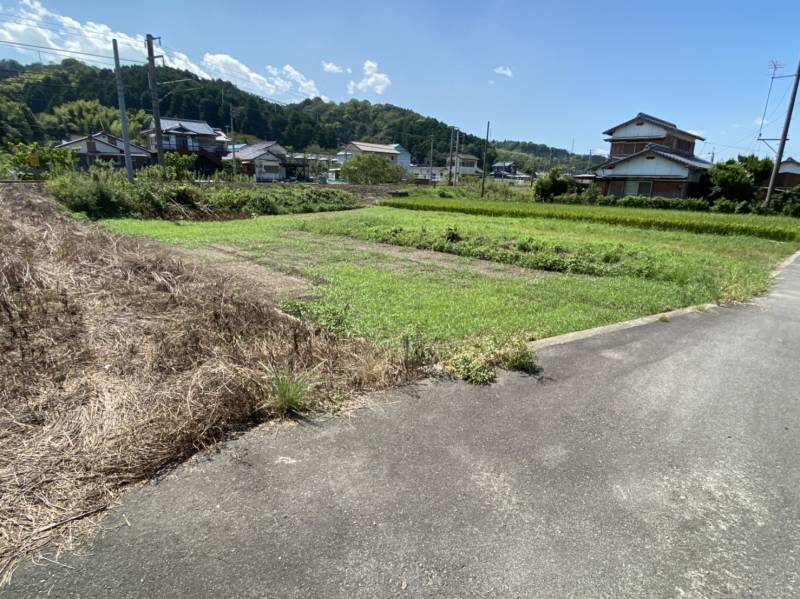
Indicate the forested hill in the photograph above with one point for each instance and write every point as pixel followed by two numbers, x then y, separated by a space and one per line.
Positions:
pixel 48 102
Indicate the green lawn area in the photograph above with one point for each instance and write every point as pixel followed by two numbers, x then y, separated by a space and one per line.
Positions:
pixel 548 275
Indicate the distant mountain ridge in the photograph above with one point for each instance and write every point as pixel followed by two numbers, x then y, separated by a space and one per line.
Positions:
pixel 49 102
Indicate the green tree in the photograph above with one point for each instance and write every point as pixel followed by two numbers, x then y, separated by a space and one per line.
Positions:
pixel 34 161
pixel 179 167
pixel 731 181
pixel 760 169
pixel 552 184
pixel 369 169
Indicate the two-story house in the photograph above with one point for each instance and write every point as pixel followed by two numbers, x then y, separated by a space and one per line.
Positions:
pixel 467 165
pixel 104 146
pixel 504 168
pixel 653 157
pixel 189 136
pixel 394 153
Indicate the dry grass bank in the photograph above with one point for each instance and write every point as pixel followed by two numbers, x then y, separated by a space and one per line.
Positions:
pixel 117 360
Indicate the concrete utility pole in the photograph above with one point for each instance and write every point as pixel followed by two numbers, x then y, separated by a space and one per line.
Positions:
pixel 483 158
pixel 430 164
pixel 779 157
pixel 151 79
pixel 123 115
pixel 455 157
pixel 450 160
pixel 233 142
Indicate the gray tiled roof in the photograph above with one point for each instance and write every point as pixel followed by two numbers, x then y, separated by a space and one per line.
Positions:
pixel 194 126
pixel 253 151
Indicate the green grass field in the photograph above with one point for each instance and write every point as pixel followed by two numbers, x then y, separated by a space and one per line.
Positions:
pixel 769 227
pixel 444 277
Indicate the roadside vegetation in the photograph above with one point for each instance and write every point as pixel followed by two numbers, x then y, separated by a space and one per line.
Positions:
pixel 104 192
pixel 117 360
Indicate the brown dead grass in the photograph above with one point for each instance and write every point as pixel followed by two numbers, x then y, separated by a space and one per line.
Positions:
pixel 116 360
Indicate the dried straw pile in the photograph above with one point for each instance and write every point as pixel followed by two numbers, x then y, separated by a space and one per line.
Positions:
pixel 116 360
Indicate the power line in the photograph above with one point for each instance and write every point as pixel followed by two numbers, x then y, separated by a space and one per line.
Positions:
pixel 50 49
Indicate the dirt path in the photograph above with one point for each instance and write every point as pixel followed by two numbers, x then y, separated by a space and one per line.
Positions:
pixel 237 268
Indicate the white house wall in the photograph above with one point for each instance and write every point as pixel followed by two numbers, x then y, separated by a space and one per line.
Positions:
pixel 789 167
pixel 633 130
pixel 642 167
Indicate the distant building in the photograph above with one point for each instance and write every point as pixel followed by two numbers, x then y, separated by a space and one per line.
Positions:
pixel 652 157
pixel 504 168
pixel 788 173
pixel 269 161
pixel 423 172
pixel 467 165
pixel 107 148
pixel 189 136
pixel 390 152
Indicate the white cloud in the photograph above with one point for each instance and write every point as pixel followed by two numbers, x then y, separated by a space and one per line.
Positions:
pixel 504 71
pixel 304 85
pixel 332 67
pixel 35 24
pixel 760 121
pixel 227 67
pixel 491 81
pixel 373 80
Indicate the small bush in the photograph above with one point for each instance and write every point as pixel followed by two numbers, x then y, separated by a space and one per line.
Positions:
pixel 477 362
pixel 284 392
pixel 452 235
pixel 724 206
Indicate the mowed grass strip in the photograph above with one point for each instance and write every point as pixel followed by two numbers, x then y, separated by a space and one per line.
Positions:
pixel 767 227
pixel 708 267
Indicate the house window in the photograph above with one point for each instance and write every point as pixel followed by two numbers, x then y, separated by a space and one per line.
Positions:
pixel 616 188
pixel 645 188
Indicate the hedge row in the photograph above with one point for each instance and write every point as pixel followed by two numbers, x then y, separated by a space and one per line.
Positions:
pixel 102 193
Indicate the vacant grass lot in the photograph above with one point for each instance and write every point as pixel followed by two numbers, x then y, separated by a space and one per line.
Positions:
pixel 552 275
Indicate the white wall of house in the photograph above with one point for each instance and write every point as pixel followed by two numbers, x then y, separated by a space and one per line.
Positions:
pixel 647 166
pixel 789 167
pixel 632 130
pixel 268 168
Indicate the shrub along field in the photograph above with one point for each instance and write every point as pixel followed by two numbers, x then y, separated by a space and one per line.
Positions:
pixel 103 192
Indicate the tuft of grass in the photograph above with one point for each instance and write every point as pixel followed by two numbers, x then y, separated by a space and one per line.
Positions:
pixel 285 392
pixel 478 360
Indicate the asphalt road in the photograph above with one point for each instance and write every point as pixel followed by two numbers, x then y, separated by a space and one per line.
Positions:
pixel 659 461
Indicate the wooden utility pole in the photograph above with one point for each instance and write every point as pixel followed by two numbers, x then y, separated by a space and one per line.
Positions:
pixel 782 144
pixel 123 115
pixel 430 164
pixel 450 160
pixel 483 159
pixel 151 79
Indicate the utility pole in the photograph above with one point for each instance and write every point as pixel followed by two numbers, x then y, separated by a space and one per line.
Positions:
pixel 123 115
pixel 233 142
pixel 779 157
pixel 450 160
pixel 455 156
pixel 483 159
pixel 430 164
pixel 151 79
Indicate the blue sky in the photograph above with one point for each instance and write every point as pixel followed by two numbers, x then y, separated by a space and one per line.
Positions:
pixel 548 72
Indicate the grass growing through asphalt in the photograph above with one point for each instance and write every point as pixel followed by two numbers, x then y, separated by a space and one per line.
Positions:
pixel 602 273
